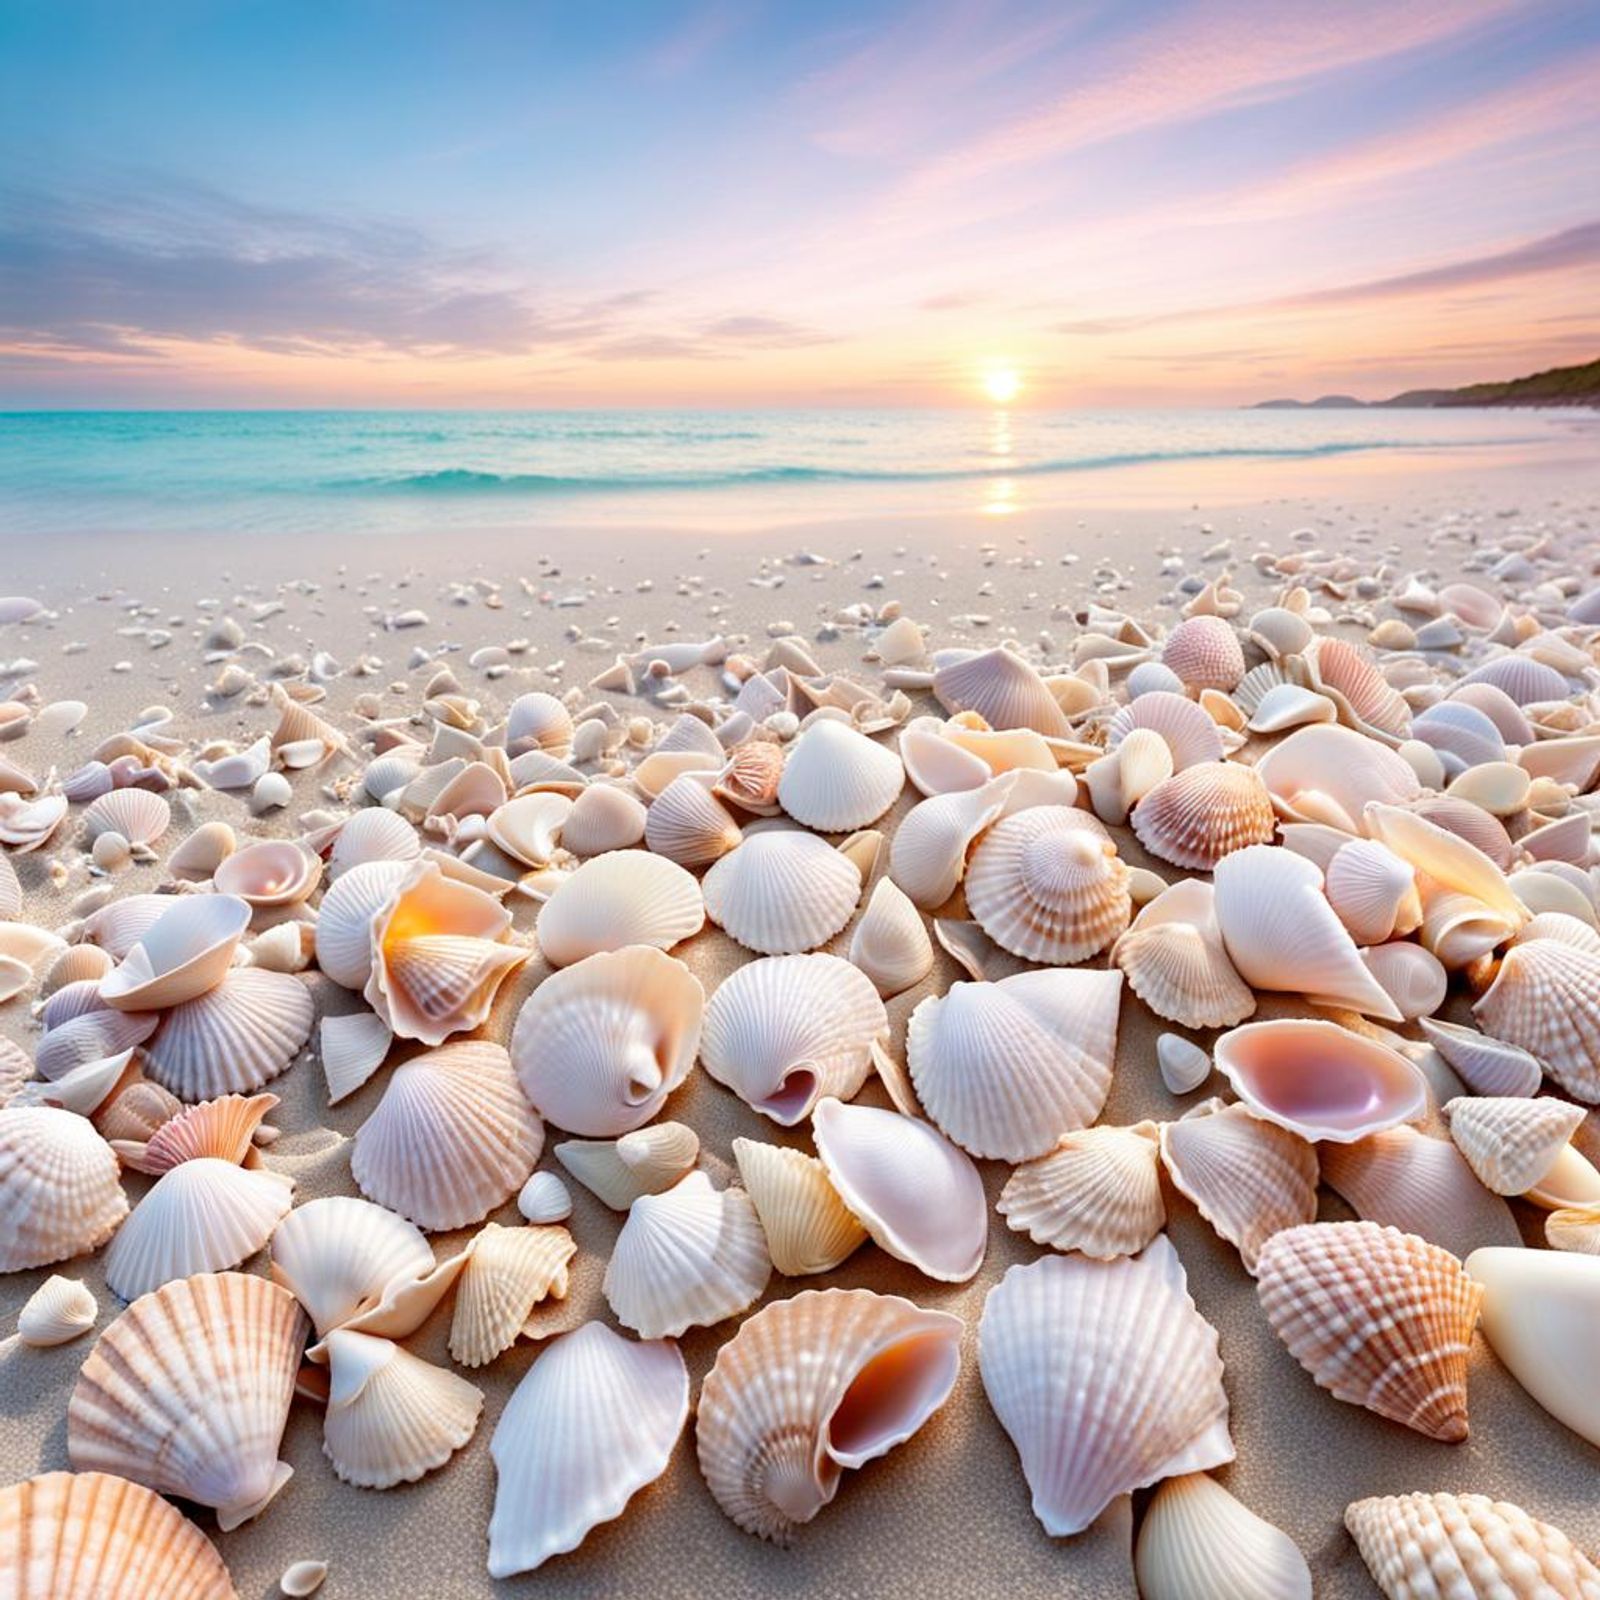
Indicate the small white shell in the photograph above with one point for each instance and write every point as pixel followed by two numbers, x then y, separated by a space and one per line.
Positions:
pixel 59 1310
pixel 544 1198
pixel 782 891
pixel 59 1188
pixel 890 943
pixel 1098 1191
pixel 234 1038
pixel 649 1160
pixel 1198 1543
pixel 626 897
pixel 837 780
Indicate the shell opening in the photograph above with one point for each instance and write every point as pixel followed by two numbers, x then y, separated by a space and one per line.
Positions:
pixel 891 1396
pixel 793 1098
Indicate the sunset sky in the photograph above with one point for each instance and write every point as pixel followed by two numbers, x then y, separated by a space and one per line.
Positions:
pixel 729 202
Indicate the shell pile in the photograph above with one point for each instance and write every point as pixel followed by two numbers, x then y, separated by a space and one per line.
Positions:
pixel 891 916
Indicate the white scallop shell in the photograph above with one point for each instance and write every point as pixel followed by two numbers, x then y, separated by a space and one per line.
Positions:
pixel 1486 1065
pixel 186 952
pixel 59 1310
pixel 344 919
pixel 1177 964
pixel 1002 688
pixel 686 823
pixel 538 721
pixel 352 1048
pixel 1373 891
pixel 1188 731
pixel 782 891
pixel 234 1038
pixel 1198 1543
pixel 649 1160
pixel 59 1189
pixel 1098 1191
pixel 373 834
pixel 1412 977
pixel 545 1198
pixel 1511 1141
pixel 837 780
pixel 626 897
pixel 138 815
pixel 1545 999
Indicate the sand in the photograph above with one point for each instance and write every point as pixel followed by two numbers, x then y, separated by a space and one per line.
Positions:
pixel 948 1514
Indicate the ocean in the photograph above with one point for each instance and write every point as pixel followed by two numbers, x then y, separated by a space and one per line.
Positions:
pixel 353 472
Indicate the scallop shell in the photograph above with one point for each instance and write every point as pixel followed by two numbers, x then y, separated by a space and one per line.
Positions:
pixel 527 828
pixel 1412 977
pixel 1545 999
pixel 89 1036
pixel 1373 891
pixel 1281 934
pixel 59 1189
pixel 687 1258
pixel 451 1139
pixel 1525 680
pixel 1198 1543
pixel 782 892
pixel 890 943
pixel 600 1045
pixel 1105 1376
pixel 137 1111
pixel 234 1038
pixel 1003 689
pixel 1098 1191
pixel 138 815
pixel 352 1048
pixel 687 824
pixel 185 953
pixel 1365 698
pixel 594 1420
pixel 1007 1068
pixel 1426 1546
pixel 270 872
pixel 509 1271
pixel 808 1227
pixel 1177 964
pixel 1247 1178
pixel 375 834
pixel 603 818
pixel 91 1536
pixel 538 721
pixel 1198 816
pixel 1189 733
pixel 345 916
pixel 784 1031
pixel 392 1417
pixel 204 1215
pixel 224 1128
pixel 751 777
pixel 59 1310
pixel 810 1386
pixel 928 855
pixel 1205 653
pixel 836 779
pixel 1330 774
pixel 647 1161
pixel 623 898
pixel 1509 1141
pixel 1379 1318
pixel 188 1391
pixel 919 1197
pixel 1047 884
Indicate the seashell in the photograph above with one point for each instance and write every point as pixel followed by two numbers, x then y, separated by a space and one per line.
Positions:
pixel 1189 732
pixel 1119 780
pixel 623 898
pixel 1330 774
pixel 1373 891
pixel 537 769
pixel 600 1045
pixel 509 1271
pixel 140 816
pixel 1469 822
pixel 58 1187
pixel 1047 884
pixel 83 1090
pixel 782 892
pixel 1005 1069
pixel 1198 1543
pixel 438 956
pixel 451 1139
pixel 352 1048
pixel 1539 1309
pixel 811 1386
pixel 538 721
pixel 1151 677
pixel 272 872
pixel 1003 689
pixel 188 1391
pixel 203 1215
pixel 1290 705
pixel 784 1031
pixel 1319 1080
pixel 808 1227
pixel 751 777
pixel 90 1036
pixel 1205 653
pixel 1572 1181
pixel 1177 964
pixel 224 1128
pixel 1198 816
pixel 1545 999
pixel 476 790
pixel 234 1038
pixel 1105 1376
pixel 1575 1228
pixel 91 1536
pixel 928 856
pixel 527 828
pixel 287 947
pixel 919 1197
pixel 687 824
pixel 1570 760
pixel 890 943
pixel 836 780
pixel 1450 862
pixel 647 1161
pixel 1510 1141
pixel 392 1417
pixel 303 1578
pixel 1421 1185
pixel 137 1111
pixel 603 818
pixel 1524 679
pixel 27 824
pixel 1417 1546
pixel 1246 1177
pixel 544 1198
pixel 1184 1066
pixel 345 917
pixel 59 1310
pixel 1411 976
pixel 937 765
pixel 391 774
pixel 592 1422
pixel 1098 1191
pixel 686 1258
pixel 1346 672
pixel 661 768
pixel 375 834
pixel 1379 1318
pixel 185 953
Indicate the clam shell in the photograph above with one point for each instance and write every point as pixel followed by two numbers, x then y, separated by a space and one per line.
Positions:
pixel 647 1161
pixel 544 1198
pixel 1105 1376
pixel 1188 731
pixel 509 1271
pixel 600 1045
pixel 837 780
pixel 1183 1065
pixel 1177 964
pixel 784 1031
pixel 1379 1318
pixel 1098 1191
pixel 937 765
pixel 92 1536
pixel 451 1139
pixel 1197 816
pixel 224 1128
pixel 689 1257
pixel 185 953
pixel 138 815
pixel 234 1038
pixel 1247 1178
pixel 1524 679
pixel 1198 1543
pixel 1003 689
pixel 88 1036
pixel 890 943
pixel 1373 891
pixel 1330 774
pixel 807 1226
pixel 686 823
pixel 375 834
pixel 1450 862
pixel 603 818
pixel 782 892
pixel 538 721
pixel 1121 779
pixel 928 855
pixel 345 916
pixel 1545 999
pixel 1007 1068
pixel 392 1417
pixel 813 1385
pixel 623 898
pixel 59 1310
pixel 1511 1142
pixel 594 1420
pixel 59 1188
pixel 352 1048
pixel 270 872
pixel 919 1197
pixel 527 828
pixel 188 1391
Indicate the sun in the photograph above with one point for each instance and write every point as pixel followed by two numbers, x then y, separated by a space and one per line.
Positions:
pixel 1002 384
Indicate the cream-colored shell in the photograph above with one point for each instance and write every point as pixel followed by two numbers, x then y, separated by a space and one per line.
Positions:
pixel 59 1188
pixel 1545 999
pixel 890 943
pixel 1199 1543
pixel 928 854
pixel 1510 1141
pixel 1575 1228
pixel 183 955
pixel 352 1047
pixel 1373 891
pixel 808 1227
pixel 837 780
pixel 509 1271
pixel 234 1038
pixel 528 827
pixel 1330 774
pixel 225 1128
pixel 269 872
pixel 1098 1191
pixel 782 891
pixel 626 897
pixel 1177 964
pixel 59 1310
pixel 686 822
pixel 374 834
pixel 649 1160
pixel 1003 689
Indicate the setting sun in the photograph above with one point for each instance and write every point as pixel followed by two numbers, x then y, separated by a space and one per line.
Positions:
pixel 1002 384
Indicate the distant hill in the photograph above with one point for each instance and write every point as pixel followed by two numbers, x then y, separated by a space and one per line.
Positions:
pixel 1560 386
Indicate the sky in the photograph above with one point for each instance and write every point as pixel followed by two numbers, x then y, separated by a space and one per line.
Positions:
pixel 769 202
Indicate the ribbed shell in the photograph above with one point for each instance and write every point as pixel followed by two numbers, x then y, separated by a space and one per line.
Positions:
pixel 1197 816
pixel 352 1047
pixel 594 1420
pixel 603 818
pixel 686 823
pixel 890 943
pixel 1527 681
pixel 1205 653
pixel 837 780
pixel 1511 1142
pixel 813 1385
pixel 59 1188
pixel 1188 731
pixel 928 854
pixel 92 1536
pixel 59 1310
pixel 1177 964
pixel 188 1391
pixel 375 834
pixel 1006 1069
pixel 808 1227
pixel 232 1040
pixel 1574 1228
pixel 1199 1543
pixel 1098 1191
pixel 649 1160
pixel 344 919
pixel 1347 671
pixel 1373 891
pixel 1106 1377
pixel 451 1139
pixel 782 892
pixel 687 1258
pixel 751 777
pixel 140 816
pixel 784 1031
pixel 538 721
pixel 224 1128
pixel 1003 689
pixel 622 898
pixel 1412 976
pixel 1379 1318
pixel 508 1273
pixel 1546 1000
